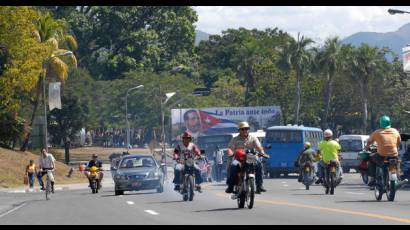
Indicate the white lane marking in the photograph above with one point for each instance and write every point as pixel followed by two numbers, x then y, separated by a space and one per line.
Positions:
pixel 285 185
pixel 130 202
pixel 18 191
pixel 284 182
pixel 152 212
pixel 13 210
pixel 355 193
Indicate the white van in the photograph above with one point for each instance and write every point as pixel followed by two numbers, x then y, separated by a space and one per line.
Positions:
pixel 351 146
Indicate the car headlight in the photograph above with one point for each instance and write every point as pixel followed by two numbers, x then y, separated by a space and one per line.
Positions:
pixel 121 177
pixel 152 175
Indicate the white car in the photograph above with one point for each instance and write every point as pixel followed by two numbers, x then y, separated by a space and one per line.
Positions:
pixel 351 146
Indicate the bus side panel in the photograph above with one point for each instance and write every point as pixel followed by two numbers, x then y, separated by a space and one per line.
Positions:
pixel 282 158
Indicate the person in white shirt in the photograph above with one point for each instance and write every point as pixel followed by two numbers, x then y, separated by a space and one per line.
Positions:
pixel 46 162
pixel 218 159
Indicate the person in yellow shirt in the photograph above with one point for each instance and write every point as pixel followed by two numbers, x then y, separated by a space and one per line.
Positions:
pixel 31 171
pixel 388 139
pixel 328 150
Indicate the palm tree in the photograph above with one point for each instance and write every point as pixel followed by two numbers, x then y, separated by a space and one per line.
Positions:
pixel 295 55
pixel 328 61
pixel 363 65
pixel 52 32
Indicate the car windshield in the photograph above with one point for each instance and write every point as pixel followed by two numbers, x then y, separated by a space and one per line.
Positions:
pixel 351 145
pixel 283 136
pixel 137 162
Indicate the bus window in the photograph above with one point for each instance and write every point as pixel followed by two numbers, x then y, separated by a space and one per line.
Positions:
pixel 284 136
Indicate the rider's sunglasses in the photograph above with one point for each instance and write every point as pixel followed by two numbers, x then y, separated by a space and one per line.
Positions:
pixel 244 129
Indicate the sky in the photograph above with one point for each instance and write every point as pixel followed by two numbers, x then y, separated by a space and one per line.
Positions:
pixel 315 22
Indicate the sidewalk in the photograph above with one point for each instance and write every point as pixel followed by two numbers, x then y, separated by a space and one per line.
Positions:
pixel 106 183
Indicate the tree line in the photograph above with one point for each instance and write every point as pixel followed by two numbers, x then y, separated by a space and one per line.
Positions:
pixel 113 48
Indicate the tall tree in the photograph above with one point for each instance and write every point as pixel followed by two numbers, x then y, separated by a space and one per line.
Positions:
pixel 364 65
pixel 118 39
pixel 21 55
pixel 296 56
pixel 329 62
pixel 52 33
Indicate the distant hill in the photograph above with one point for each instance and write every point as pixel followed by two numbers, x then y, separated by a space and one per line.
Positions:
pixel 199 36
pixel 394 40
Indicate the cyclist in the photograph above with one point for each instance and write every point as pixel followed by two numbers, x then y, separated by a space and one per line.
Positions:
pixel 46 162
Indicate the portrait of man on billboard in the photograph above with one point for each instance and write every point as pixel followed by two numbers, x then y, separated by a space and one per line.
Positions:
pixel 192 122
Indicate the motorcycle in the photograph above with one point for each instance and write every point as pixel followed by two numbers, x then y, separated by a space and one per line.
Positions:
pixel 387 179
pixel 308 174
pixel 188 183
pixel 331 179
pixel 244 191
pixel 364 156
pixel 94 179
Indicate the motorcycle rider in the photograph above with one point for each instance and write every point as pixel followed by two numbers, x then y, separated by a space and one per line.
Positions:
pixel 329 149
pixel 245 141
pixel 186 150
pixel 388 139
pixel 306 155
pixel 97 163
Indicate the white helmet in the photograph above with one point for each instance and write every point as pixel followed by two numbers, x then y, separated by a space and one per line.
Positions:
pixel 328 133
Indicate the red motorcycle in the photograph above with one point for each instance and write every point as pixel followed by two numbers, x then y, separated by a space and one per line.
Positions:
pixel 364 156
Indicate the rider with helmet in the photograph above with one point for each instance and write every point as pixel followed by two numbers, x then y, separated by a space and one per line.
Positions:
pixel 329 150
pixel 244 141
pixel 387 139
pixel 185 150
pixel 306 155
pixel 92 164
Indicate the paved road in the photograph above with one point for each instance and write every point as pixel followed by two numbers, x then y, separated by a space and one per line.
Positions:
pixel 286 202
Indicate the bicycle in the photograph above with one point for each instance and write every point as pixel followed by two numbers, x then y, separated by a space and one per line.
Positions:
pixel 48 191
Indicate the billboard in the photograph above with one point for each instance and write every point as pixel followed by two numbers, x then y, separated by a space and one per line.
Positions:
pixel 406 59
pixel 218 120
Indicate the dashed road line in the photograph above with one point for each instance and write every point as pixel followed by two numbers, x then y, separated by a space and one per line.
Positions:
pixel 355 193
pixel 130 202
pixel 152 212
pixel 12 210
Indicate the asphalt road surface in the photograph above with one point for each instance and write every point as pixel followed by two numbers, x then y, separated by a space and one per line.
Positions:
pixel 286 202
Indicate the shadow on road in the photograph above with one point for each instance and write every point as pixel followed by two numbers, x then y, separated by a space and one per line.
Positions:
pixel 132 194
pixel 167 202
pixel 311 194
pixel 219 210
pixel 361 201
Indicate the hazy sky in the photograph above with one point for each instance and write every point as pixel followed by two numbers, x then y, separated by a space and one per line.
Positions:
pixel 316 22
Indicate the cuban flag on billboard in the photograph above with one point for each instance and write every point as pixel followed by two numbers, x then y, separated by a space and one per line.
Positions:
pixel 210 123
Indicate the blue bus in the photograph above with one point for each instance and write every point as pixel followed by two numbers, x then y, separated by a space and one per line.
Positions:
pixel 284 143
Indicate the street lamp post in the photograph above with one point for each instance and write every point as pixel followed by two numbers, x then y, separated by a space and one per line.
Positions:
pixel 126 114
pixel 394 11
pixel 168 96
pixel 68 53
pixel 180 118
